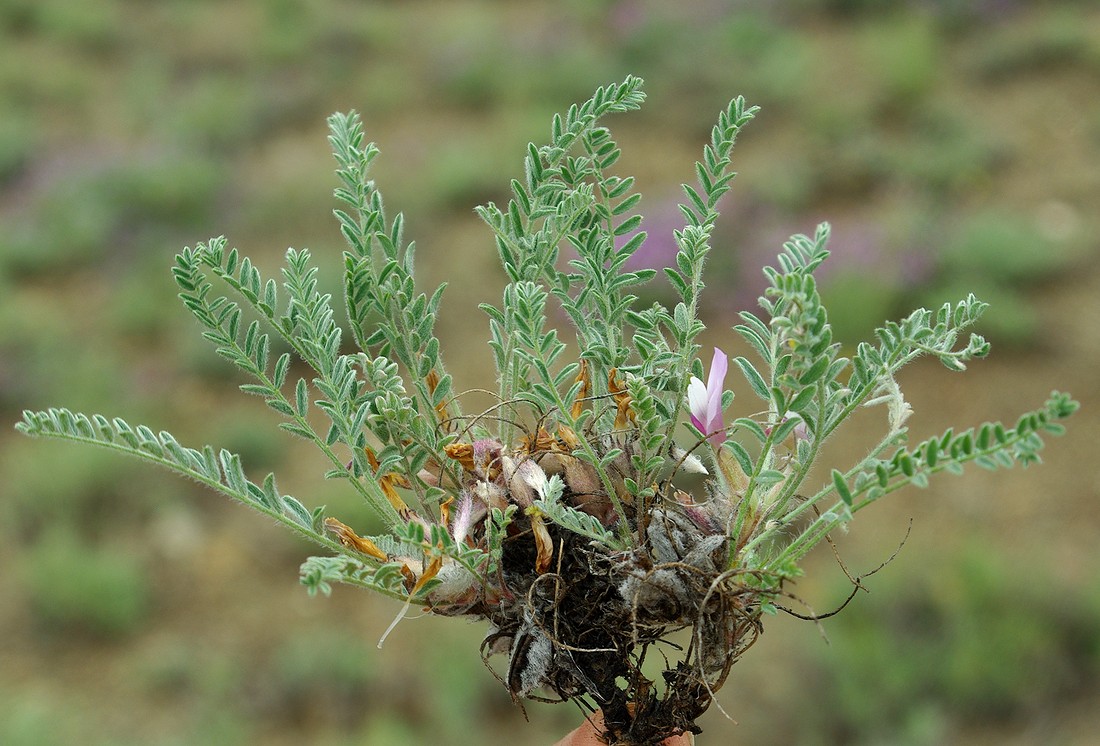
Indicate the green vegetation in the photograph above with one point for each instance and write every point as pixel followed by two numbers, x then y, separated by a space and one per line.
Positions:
pixel 978 638
pixel 76 587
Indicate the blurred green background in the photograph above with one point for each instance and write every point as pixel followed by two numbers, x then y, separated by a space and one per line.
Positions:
pixel 954 145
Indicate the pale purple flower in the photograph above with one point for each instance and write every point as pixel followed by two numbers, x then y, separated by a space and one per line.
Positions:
pixel 705 401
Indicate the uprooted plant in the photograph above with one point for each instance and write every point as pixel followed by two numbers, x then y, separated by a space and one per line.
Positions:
pixel 603 512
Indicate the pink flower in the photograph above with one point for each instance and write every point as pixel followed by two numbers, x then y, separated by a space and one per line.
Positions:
pixel 705 401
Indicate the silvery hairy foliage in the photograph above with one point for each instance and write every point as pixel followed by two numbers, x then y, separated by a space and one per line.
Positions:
pixel 615 494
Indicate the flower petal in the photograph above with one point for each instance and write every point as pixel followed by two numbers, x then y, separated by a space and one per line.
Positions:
pixel 697 404
pixel 715 382
pixel 697 397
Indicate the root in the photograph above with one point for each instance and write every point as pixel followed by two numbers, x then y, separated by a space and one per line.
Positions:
pixel 583 631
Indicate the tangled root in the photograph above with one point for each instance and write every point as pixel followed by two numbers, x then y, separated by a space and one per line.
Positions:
pixel 646 634
pixel 583 630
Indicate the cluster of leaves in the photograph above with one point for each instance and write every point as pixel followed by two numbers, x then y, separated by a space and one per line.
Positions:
pixel 807 384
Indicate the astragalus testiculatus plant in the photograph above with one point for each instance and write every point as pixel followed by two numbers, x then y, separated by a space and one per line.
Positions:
pixel 614 506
